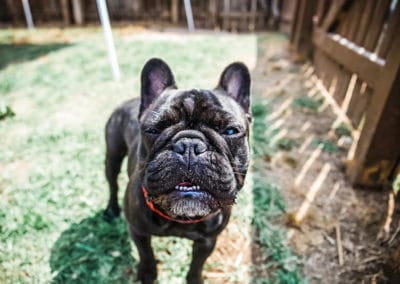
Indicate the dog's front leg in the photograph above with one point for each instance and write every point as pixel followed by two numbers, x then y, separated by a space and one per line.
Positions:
pixel 201 251
pixel 147 270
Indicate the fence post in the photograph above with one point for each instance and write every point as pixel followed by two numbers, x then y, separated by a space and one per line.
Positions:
pixel 301 35
pixel 175 11
pixel 77 11
pixel 65 11
pixel 378 148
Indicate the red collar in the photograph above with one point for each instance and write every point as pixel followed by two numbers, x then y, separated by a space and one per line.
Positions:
pixel 163 215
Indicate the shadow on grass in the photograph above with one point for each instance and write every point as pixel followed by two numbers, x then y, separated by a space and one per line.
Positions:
pixel 13 53
pixel 93 251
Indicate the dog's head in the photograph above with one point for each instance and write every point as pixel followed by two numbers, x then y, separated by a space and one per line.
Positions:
pixel 194 149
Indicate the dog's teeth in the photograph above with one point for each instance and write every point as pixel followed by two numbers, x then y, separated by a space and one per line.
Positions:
pixel 187 188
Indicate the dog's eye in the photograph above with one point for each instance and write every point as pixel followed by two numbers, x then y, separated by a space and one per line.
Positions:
pixel 153 131
pixel 231 131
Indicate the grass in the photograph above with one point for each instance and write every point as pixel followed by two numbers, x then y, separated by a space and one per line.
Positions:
pixel 343 129
pixel 325 145
pixel 307 104
pixel 5 111
pixel 268 206
pixel 286 144
pixel 52 185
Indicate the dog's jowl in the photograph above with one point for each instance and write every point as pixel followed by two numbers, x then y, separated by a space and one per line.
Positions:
pixel 188 153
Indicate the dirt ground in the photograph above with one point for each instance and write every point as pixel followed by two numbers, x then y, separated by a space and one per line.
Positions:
pixel 336 228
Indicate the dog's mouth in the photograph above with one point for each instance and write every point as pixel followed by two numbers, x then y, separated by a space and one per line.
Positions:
pixel 187 200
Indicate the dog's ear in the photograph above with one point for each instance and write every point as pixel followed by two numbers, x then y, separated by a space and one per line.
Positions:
pixel 156 77
pixel 235 80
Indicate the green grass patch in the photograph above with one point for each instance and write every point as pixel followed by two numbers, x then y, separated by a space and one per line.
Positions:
pixel 343 129
pixel 5 111
pixel 286 144
pixel 307 104
pixel 282 265
pixel 396 184
pixel 325 145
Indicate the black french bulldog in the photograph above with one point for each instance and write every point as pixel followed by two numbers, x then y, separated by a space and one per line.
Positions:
pixel 188 153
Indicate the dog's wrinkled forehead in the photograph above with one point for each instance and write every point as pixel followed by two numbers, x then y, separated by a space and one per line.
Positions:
pixel 196 106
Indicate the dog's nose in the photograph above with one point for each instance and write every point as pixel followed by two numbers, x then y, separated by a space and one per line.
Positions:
pixel 189 146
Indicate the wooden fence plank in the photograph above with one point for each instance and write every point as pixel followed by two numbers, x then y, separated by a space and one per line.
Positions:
pixel 302 32
pixel 320 12
pixel 65 11
pixel 226 10
pixel 391 31
pixel 361 94
pixel 343 78
pixel 14 7
pixel 295 21
pixel 175 11
pixel 365 20
pixel 358 9
pixel 386 87
pixel 336 6
pixel 77 11
pixel 351 57
pixel 359 101
pixel 376 24
pixel 213 10
pixel 383 155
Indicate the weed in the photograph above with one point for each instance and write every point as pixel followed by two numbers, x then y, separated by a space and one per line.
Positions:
pixel 325 145
pixel 286 144
pixel 396 184
pixel 343 130
pixel 307 104
pixel 5 111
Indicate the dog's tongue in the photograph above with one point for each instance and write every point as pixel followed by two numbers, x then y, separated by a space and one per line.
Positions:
pixel 184 183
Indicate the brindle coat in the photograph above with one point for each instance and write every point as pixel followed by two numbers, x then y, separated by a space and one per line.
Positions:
pixel 174 137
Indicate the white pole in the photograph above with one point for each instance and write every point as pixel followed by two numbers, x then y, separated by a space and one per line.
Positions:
pixel 28 14
pixel 105 22
pixel 189 15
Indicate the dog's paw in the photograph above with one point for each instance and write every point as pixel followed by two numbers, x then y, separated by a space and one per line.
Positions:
pixel 111 213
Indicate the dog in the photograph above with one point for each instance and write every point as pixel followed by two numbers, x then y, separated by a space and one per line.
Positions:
pixel 188 154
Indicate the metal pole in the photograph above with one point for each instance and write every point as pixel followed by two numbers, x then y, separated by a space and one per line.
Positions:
pixel 28 14
pixel 105 22
pixel 189 15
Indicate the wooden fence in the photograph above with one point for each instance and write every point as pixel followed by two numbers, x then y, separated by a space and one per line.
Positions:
pixel 355 47
pixel 236 15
